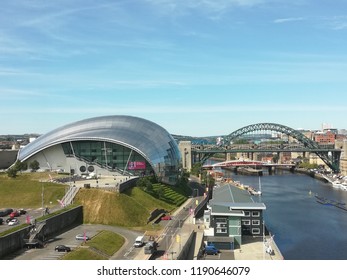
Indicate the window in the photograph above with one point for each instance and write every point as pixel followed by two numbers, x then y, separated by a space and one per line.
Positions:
pixel 255 214
pixel 221 230
pixel 246 222
pixel 255 231
pixel 247 214
pixel 255 223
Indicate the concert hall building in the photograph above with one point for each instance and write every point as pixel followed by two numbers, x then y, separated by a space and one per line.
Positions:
pixel 108 145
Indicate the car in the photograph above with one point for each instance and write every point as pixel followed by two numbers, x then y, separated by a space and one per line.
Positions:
pixel 14 214
pixel 5 212
pixel 211 250
pixel 82 237
pixel 13 222
pixel 62 248
pixel 139 241
pixel 1 221
pixel 166 218
pixel 22 212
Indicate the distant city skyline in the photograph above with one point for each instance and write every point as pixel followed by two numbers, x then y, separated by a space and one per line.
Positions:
pixel 198 68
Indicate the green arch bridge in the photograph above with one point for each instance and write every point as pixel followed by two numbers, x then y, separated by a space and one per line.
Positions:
pixel 328 153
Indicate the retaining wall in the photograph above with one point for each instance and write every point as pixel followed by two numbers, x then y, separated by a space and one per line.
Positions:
pixel 16 240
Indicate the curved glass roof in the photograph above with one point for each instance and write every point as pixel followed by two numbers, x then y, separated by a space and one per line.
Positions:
pixel 145 137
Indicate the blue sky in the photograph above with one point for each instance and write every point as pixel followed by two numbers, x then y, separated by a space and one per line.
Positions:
pixel 195 67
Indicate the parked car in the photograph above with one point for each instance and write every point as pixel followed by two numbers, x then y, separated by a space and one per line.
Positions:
pixel 211 250
pixel 1 221
pixel 22 212
pixel 5 212
pixel 82 237
pixel 166 218
pixel 62 248
pixel 14 214
pixel 13 222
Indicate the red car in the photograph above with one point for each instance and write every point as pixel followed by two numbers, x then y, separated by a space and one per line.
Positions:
pixel 14 214
pixel 166 218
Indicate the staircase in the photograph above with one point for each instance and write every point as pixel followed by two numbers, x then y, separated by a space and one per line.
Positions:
pixel 70 195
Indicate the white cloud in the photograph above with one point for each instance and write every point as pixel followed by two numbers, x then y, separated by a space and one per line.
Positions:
pixel 207 7
pixel 290 19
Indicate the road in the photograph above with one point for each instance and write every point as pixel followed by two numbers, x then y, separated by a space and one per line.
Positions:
pixel 127 252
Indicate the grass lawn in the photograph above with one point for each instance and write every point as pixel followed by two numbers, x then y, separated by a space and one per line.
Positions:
pixel 25 191
pixel 83 254
pixel 100 247
pixel 107 242
pixel 130 209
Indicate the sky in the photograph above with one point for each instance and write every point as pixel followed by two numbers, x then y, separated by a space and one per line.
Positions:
pixel 195 67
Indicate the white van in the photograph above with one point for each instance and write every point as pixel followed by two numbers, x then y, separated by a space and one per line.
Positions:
pixel 139 241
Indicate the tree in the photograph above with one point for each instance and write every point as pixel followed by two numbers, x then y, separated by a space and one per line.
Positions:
pixel 34 165
pixel 12 172
pixel 145 184
pixel 19 166
pixel 275 158
pixel 196 169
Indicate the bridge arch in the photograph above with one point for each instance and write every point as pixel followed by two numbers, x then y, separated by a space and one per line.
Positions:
pixel 311 145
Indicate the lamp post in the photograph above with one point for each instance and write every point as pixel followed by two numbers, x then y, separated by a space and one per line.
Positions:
pixel 42 198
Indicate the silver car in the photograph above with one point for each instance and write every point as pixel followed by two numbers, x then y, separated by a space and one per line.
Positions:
pixel 82 237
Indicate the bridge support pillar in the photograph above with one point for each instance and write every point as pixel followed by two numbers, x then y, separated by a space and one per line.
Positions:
pixel 185 148
pixel 271 170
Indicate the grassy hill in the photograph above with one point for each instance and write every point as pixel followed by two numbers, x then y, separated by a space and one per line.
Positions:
pixel 25 191
pixel 130 209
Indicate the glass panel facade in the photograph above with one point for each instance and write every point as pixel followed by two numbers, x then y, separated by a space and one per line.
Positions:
pixel 110 156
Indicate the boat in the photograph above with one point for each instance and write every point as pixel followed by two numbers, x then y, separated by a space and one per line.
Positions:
pixel 336 184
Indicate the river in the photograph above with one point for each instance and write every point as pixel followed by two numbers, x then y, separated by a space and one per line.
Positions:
pixel 303 229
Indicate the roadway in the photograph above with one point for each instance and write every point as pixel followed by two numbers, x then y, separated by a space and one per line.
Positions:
pixel 68 238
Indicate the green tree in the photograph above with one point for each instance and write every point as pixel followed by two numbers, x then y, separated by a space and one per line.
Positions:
pixel 34 165
pixel 196 169
pixel 275 158
pixel 12 172
pixel 19 166
pixel 145 183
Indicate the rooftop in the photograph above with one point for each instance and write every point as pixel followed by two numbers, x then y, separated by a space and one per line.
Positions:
pixel 231 199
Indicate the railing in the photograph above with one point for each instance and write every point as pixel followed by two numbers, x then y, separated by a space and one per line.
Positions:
pixel 70 195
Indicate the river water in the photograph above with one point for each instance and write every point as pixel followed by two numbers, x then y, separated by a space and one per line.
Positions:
pixel 303 229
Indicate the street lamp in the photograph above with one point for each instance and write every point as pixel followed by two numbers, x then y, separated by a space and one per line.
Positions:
pixel 42 198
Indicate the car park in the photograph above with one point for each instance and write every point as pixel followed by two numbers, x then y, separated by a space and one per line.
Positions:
pixel 62 248
pixel 82 237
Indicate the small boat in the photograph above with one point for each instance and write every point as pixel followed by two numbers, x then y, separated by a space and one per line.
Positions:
pixel 337 184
